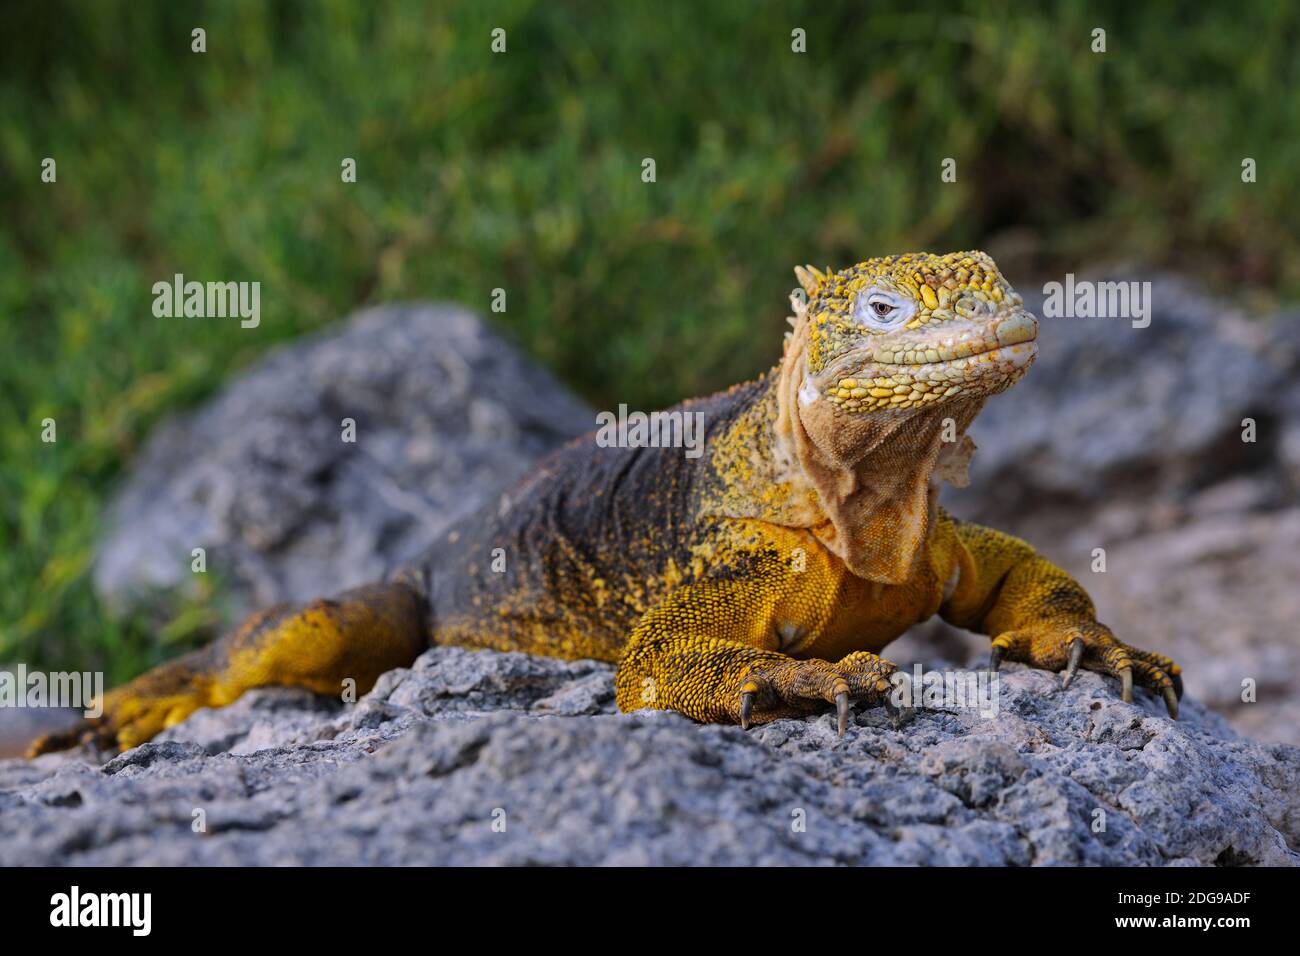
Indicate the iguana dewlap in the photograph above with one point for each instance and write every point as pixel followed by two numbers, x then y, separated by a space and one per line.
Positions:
pixel 757 581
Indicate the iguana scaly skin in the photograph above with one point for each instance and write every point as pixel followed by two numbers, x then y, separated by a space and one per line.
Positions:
pixel 755 582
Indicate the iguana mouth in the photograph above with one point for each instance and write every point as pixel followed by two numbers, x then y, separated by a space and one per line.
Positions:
pixel 1018 355
pixel 863 382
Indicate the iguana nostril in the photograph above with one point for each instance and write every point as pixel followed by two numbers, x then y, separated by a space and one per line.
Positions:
pixel 1020 327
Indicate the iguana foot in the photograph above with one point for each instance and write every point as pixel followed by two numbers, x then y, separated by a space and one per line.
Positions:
pixel 1092 647
pixel 721 681
pixel 139 710
pixel 794 687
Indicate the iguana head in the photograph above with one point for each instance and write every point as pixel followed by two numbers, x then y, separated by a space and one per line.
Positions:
pixel 913 331
pixel 889 362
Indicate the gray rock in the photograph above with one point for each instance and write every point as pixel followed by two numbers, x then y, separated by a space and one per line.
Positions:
pixel 417 771
pixel 1217 593
pixel 446 414
pixel 1110 412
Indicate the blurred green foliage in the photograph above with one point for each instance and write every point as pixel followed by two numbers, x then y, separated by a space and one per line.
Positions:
pixel 523 171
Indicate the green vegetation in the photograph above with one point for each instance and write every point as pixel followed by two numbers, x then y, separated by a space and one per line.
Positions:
pixel 523 171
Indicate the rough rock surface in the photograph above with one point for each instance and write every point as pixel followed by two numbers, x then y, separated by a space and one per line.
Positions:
pixel 419 770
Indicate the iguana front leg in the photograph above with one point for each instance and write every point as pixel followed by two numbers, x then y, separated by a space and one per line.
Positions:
pixel 699 653
pixel 1039 615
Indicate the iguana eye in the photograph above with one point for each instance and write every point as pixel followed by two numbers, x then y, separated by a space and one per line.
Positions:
pixel 882 310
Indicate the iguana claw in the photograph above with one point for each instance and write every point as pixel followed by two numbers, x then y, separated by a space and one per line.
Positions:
pixel 1077 648
pixel 1126 684
pixel 1171 701
pixel 747 703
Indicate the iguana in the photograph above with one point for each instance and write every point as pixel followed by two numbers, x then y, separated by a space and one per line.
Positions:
pixel 757 581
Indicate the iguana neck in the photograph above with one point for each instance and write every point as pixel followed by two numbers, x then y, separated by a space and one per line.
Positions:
pixel 866 485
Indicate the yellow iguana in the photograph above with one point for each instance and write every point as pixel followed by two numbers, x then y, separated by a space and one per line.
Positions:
pixel 757 581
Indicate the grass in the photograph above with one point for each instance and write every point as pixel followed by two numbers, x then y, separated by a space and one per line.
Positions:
pixel 522 171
